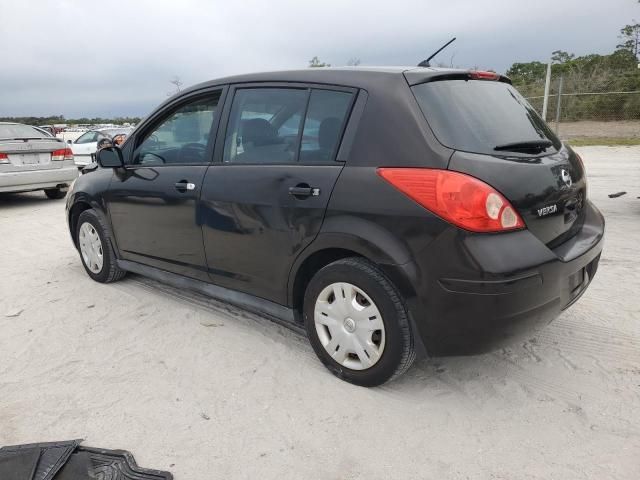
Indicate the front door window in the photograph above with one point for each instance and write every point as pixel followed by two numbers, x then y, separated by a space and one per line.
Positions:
pixel 182 137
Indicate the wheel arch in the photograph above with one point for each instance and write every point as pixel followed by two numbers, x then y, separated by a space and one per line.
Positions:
pixel 329 247
pixel 80 204
pixel 74 213
pixel 305 270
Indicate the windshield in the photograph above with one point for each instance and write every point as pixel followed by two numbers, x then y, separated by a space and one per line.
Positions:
pixel 111 132
pixel 478 116
pixel 16 130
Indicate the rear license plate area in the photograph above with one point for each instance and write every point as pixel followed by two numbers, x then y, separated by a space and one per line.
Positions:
pixel 29 159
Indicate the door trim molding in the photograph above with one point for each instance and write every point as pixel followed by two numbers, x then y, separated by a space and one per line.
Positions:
pixel 276 312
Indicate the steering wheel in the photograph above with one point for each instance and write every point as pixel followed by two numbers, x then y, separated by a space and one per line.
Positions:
pixel 191 150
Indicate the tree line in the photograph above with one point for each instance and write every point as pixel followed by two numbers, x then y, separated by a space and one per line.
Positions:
pixel 597 74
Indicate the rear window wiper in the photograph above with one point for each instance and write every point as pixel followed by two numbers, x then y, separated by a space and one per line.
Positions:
pixel 537 145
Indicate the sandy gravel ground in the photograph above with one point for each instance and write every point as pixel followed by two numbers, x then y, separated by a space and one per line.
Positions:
pixel 591 129
pixel 207 391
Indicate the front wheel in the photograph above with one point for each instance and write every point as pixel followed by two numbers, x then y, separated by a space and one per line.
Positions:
pixel 96 252
pixel 357 323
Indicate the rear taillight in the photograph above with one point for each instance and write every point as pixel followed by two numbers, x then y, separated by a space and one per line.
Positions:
pixel 62 154
pixel 460 199
pixel 480 75
pixel 4 158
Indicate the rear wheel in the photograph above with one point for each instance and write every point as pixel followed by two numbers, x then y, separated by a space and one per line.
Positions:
pixel 357 323
pixel 55 193
pixel 94 245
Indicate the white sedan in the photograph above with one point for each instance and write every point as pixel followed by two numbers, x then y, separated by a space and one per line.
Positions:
pixel 85 146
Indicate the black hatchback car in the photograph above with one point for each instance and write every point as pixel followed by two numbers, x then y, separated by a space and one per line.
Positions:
pixel 390 212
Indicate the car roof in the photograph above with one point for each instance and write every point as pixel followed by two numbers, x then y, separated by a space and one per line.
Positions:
pixel 359 77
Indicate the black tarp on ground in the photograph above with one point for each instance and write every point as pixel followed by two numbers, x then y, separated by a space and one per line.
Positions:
pixel 69 461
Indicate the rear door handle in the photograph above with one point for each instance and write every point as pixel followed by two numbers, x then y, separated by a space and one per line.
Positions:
pixel 304 190
pixel 183 186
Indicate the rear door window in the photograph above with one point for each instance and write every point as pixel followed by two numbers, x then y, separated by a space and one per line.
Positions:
pixel 285 125
pixel 264 125
pixel 323 125
pixel 478 116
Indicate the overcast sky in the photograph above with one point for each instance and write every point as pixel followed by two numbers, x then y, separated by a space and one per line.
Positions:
pixel 87 58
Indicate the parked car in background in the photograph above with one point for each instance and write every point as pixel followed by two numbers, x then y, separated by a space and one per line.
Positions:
pixel 31 159
pixel 86 145
pixel 52 129
pixel 44 131
pixel 386 211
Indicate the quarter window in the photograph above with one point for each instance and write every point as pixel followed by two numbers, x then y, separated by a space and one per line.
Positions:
pixel 182 137
pixel 323 125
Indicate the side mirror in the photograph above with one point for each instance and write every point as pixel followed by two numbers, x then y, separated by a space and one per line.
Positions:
pixel 110 157
pixel 69 142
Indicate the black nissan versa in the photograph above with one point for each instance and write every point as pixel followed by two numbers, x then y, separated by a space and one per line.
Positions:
pixel 389 211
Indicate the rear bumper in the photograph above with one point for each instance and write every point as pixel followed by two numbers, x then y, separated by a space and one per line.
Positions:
pixel 477 293
pixel 38 179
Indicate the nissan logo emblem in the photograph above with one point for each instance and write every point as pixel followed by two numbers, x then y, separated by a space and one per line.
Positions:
pixel 566 178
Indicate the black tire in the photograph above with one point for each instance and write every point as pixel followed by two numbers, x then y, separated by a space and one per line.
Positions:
pixel 398 353
pixel 55 193
pixel 110 271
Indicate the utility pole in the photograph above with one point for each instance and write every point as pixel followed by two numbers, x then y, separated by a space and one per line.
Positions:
pixel 547 84
pixel 558 105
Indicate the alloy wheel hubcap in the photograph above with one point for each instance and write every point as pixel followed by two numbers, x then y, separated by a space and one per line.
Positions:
pixel 349 326
pixel 91 247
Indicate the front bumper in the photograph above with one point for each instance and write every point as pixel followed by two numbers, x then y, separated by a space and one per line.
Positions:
pixel 476 293
pixel 25 181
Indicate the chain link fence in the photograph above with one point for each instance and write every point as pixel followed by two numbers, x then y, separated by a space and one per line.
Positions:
pixel 587 114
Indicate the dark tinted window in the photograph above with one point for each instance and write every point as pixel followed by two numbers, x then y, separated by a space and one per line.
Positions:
pixel 323 125
pixel 264 125
pixel 182 137
pixel 16 130
pixel 476 116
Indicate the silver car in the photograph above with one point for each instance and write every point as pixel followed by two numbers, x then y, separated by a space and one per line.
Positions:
pixel 32 160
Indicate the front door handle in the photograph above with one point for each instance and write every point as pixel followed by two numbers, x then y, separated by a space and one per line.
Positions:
pixel 183 186
pixel 303 190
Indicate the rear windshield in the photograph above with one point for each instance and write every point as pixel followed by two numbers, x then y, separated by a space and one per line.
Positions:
pixel 477 116
pixel 18 131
